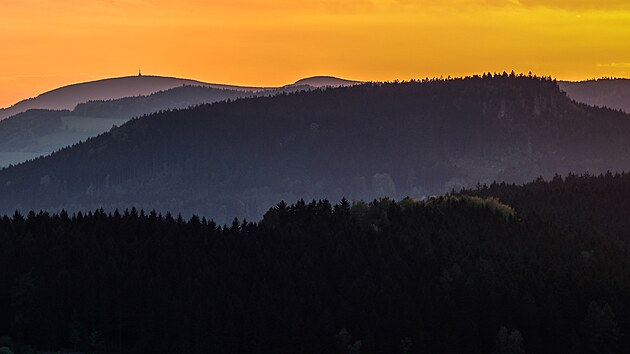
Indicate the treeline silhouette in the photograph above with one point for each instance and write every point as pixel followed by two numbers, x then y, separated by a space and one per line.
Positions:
pixel 416 139
pixel 455 274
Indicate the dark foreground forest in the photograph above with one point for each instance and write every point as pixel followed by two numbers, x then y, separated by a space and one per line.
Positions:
pixel 548 272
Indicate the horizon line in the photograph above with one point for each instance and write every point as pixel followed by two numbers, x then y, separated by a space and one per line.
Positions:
pixel 236 85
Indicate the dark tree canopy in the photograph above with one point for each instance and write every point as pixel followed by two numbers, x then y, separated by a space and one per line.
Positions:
pixel 456 274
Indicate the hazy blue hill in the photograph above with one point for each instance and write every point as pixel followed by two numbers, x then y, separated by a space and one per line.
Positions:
pixel 23 129
pixel 39 132
pixel 613 93
pixel 409 139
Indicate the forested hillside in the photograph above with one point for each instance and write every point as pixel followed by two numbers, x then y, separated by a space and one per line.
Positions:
pixel 453 274
pixel 401 139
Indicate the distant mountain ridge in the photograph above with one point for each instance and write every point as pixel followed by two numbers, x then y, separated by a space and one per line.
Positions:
pixel 68 97
pixel 612 93
pixel 402 139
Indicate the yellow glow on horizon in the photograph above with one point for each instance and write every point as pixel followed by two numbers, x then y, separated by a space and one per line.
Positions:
pixel 51 43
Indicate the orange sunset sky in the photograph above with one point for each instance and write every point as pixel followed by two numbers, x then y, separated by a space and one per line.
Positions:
pixel 51 43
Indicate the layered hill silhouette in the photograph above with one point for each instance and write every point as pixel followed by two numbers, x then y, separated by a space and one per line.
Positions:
pixel 405 139
pixel 67 97
pixel 38 132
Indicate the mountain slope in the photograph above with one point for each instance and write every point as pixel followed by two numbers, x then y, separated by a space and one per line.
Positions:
pixel 68 97
pixel 361 142
pixel 612 93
